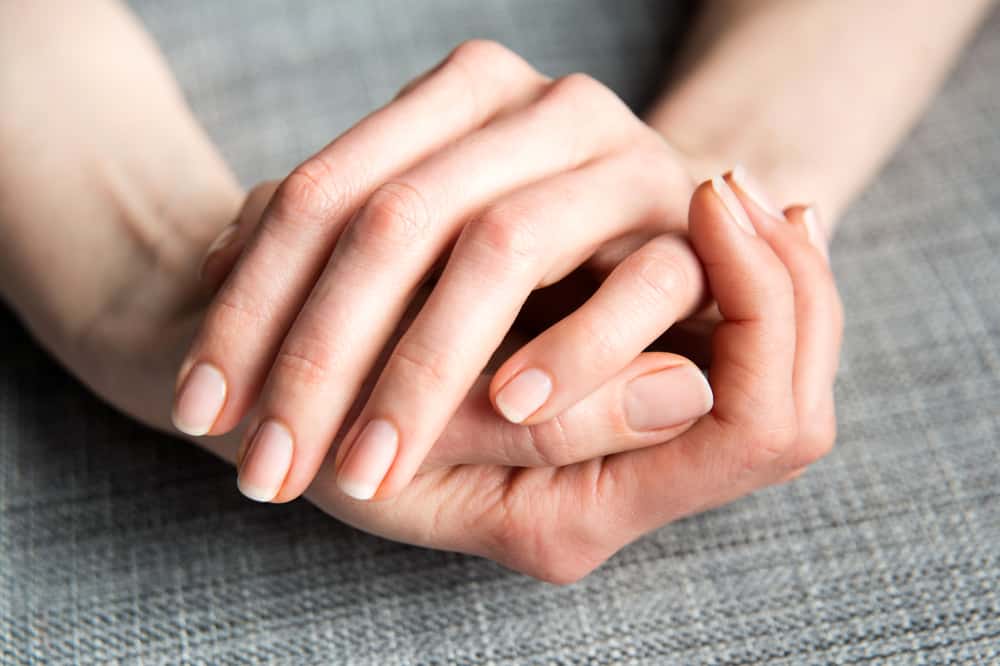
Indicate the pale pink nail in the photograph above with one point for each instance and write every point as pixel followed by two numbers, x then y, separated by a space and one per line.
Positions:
pixel 815 232
pixel 733 205
pixel 755 191
pixel 667 398
pixel 200 400
pixel 224 239
pixel 369 460
pixel 266 463
pixel 523 395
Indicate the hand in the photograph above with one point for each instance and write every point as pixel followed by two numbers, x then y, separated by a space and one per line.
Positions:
pixel 773 373
pixel 506 179
pixel 612 418
pixel 775 357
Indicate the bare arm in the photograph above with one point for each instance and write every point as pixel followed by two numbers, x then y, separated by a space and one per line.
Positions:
pixel 109 189
pixel 810 96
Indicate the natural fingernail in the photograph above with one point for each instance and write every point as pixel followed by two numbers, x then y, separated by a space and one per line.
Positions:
pixel 755 191
pixel 732 205
pixel 266 463
pixel 200 400
pixel 667 398
pixel 369 460
pixel 223 240
pixel 523 395
pixel 814 231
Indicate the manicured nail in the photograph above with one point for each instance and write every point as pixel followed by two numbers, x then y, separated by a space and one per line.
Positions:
pixel 266 463
pixel 224 239
pixel 200 400
pixel 523 395
pixel 369 460
pixel 755 191
pixel 814 231
pixel 733 205
pixel 667 398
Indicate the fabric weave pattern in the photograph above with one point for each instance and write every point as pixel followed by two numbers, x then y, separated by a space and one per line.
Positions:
pixel 117 544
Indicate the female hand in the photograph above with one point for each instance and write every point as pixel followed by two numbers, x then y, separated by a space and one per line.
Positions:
pixel 776 354
pixel 618 416
pixel 774 362
pixel 508 179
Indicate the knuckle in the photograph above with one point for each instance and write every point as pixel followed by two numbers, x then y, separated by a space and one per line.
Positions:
pixel 578 89
pixel 423 366
pixel 234 313
pixel 549 443
pixel 660 272
pixel 506 233
pixel 482 67
pixel 307 195
pixel 765 447
pixel 481 52
pixel 581 91
pixel 395 214
pixel 302 364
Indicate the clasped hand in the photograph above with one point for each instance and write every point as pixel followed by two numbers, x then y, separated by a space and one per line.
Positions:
pixel 360 301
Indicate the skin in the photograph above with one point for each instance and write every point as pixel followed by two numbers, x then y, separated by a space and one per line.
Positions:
pixel 501 183
pixel 355 243
pixel 152 224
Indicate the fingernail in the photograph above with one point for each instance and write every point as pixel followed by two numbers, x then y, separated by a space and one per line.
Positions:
pixel 523 395
pixel 733 205
pixel 368 461
pixel 200 400
pixel 755 191
pixel 814 231
pixel 667 398
pixel 224 239
pixel 266 463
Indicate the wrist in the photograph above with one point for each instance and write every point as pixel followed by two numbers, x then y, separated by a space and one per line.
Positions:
pixel 94 202
pixel 711 143
pixel 811 97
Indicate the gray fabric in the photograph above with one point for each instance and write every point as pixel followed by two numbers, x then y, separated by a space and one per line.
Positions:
pixel 119 544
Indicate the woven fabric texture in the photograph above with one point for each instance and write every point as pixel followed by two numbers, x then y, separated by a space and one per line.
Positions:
pixel 118 544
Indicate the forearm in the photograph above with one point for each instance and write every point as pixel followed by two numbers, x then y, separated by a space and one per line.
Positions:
pixel 810 96
pixel 108 186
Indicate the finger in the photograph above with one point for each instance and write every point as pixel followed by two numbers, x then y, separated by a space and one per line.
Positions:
pixel 245 324
pixel 797 239
pixel 753 419
pixel 642 297
pixel 657 396
pixel 391 245
pixel 500 257
pixel 222 254
pixel 819 325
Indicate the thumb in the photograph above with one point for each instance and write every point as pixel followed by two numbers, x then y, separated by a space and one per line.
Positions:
pixel 653 399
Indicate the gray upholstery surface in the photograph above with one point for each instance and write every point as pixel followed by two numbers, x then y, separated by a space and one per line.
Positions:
pixel 120 544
